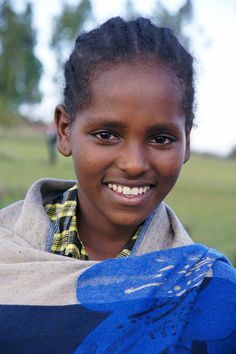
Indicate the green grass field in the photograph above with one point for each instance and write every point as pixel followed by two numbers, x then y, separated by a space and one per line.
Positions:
pixel 204 197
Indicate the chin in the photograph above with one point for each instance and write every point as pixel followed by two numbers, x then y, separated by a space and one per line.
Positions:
pixel 129 220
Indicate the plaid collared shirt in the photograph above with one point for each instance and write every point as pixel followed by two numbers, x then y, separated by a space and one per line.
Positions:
pixel 62 212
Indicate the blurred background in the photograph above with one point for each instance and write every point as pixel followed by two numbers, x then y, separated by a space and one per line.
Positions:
pixel 36 38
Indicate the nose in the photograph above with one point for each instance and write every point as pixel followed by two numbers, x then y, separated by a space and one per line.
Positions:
pixel 133 160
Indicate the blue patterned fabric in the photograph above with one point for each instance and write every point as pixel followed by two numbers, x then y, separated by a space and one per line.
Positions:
pixel 174 301
pixel 181 300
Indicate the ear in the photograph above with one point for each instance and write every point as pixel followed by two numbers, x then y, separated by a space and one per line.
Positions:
pixel 62 122
pixel 187 147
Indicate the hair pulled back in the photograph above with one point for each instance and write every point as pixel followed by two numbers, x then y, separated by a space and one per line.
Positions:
pixel 117 41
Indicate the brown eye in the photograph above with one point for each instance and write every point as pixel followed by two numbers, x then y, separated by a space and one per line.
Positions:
pixel 105 136
pixel 162 139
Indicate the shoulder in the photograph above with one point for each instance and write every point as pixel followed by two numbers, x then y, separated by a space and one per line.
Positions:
pixel 44 190
pixel 10 214
pixel 28 213
pixel 212 323
pixel 218 290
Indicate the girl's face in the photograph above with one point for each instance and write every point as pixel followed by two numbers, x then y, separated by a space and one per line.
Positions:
pixel 129 145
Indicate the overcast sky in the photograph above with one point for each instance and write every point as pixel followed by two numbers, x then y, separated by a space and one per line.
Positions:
pixel 214 46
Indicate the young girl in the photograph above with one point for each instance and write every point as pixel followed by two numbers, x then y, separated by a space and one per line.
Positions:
pixel 102 265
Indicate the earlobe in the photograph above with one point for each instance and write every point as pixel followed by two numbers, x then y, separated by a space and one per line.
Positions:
pixel 187 147
pixel 62 121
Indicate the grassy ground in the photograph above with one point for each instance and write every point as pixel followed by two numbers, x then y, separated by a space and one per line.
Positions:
pixel 204 198
pixel 24 159
pixel 205 201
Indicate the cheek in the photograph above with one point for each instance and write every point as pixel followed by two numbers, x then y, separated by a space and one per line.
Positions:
pixel 169 165
pixel 88 162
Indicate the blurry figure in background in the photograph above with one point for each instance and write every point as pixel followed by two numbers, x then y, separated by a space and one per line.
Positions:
pixel 51 141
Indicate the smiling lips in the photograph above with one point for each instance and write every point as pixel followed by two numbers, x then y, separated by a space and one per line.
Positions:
pixel 128 191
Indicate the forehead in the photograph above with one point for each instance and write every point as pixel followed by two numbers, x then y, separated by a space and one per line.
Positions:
pixel 139 80
pixel 134 96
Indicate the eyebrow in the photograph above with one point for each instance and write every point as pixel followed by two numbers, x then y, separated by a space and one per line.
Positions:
pixel 108 124
pixel 163 127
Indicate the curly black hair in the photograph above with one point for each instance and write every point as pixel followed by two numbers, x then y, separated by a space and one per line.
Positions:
pixel 117 41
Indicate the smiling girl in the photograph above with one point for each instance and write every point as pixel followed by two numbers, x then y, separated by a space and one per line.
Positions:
pixel 126 121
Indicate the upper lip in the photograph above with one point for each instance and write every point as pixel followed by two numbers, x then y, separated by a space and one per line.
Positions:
pixel 129 183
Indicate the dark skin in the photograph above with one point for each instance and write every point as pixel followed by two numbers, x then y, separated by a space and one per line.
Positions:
pixel 128 147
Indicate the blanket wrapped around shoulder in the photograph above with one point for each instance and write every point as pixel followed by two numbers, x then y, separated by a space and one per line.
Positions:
pixel 169 296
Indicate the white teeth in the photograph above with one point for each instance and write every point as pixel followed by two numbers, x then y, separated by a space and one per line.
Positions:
pixel 134 191
pixel 127 190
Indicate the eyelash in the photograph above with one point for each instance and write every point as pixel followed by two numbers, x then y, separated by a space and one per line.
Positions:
pixel 165 137
pixel 107 133
pixel 111 137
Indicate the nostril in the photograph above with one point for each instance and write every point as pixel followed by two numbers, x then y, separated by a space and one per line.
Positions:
pixel 133 161
pixel 133 167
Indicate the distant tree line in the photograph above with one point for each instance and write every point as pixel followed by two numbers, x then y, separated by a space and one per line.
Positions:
pixel 232 154
pixel 21 70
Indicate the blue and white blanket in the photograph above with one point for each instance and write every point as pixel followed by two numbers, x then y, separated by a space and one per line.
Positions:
pixel 181 300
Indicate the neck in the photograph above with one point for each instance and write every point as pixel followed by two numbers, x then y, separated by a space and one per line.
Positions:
pixel 101 239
